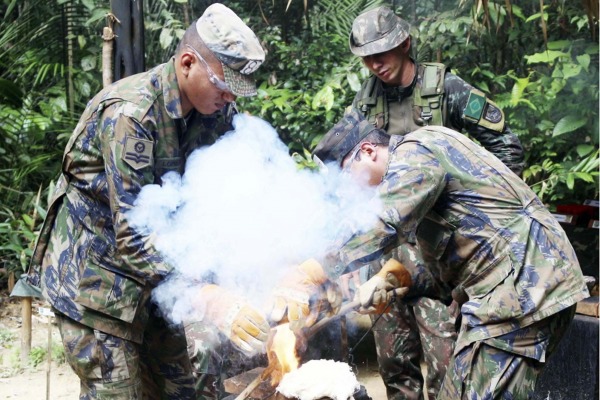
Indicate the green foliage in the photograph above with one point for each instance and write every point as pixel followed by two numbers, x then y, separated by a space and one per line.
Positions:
pixel 58 353
pixel 546 81
pixel 6 337
pixel 37 355
pixel 309 83
pixel 35 117
pixel 548 90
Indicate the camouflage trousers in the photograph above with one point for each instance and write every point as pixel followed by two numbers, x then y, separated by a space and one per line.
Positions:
pixel 505 367
pixel 112 368
pixel 422 331
pixel 215 359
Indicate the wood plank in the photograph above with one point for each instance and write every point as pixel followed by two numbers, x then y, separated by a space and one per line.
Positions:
pixel 589 306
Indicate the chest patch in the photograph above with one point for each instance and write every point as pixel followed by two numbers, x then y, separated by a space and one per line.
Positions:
pixel 137 152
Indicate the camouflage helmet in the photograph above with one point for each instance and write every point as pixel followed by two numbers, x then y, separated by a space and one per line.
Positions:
pixel 343 137
pixel 376 31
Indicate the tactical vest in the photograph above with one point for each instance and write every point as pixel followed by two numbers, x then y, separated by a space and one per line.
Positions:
pixel 425 104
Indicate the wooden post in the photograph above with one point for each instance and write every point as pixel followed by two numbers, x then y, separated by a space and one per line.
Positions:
pixel 11 281
pixel 25 330
pixel 49 358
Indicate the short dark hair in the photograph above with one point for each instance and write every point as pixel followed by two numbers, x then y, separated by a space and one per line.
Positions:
pixel 377 137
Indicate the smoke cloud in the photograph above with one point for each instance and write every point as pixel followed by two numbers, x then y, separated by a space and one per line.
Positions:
pixel 242 212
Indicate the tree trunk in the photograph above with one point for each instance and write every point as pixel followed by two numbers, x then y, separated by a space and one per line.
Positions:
pixel 129 42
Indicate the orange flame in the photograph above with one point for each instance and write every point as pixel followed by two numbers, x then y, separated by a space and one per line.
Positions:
pixel 282 352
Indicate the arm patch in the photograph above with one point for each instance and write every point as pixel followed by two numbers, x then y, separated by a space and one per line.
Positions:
pixel 483 112
pixel 137 152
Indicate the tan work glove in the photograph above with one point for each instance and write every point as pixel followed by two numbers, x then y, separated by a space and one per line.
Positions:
pixel 375 294
pixel 246 327
pixel 303 293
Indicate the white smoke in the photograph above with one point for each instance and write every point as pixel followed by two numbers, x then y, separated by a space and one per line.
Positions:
pixel 242 212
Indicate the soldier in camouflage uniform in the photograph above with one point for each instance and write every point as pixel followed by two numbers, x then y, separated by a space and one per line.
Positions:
pixel 481 231
pixel 400 96
pixel 93 268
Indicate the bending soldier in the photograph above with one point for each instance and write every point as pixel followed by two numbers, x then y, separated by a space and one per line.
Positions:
pixel 401 96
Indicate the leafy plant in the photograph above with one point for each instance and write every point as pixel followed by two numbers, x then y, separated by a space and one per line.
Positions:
pixel 58 353
pixel 6 337
pixel 37 355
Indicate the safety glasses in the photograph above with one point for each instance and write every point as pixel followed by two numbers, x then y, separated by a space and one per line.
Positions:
pixel 351 160
pixel 214 79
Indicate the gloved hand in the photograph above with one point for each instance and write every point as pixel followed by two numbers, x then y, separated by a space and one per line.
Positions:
pixel 246 327
pixel 375 294
pixel 303 293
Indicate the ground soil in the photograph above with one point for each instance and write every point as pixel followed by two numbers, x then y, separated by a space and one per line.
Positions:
pixel 19 381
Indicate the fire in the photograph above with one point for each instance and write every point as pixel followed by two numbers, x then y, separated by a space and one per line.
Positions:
pixel 282 353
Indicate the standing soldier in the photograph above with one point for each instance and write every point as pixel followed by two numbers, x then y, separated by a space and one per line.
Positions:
pixel 94 269
pixel 400 96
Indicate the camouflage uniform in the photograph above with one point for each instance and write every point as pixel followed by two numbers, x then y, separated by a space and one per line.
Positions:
pixel 434 97
pixel 484 233
pixel 93 268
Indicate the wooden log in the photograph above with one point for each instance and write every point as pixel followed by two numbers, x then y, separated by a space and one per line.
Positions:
pixel 239 383
pixel 589 306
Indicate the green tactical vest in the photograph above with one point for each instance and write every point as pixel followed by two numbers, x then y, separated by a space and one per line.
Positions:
pixel 425 105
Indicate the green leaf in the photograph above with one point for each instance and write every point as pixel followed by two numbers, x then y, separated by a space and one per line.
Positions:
pixel 570 180
pixel 566 70
pixel 558 44
pixel 545 57
pixel 584 177
pixel 584 61
pixel 353 81
pixel 324 97
pixel 568 124
pixel 81 41
pixel 28 220
pixel 584 149
pixel 165 38
pixel 88 63
pixel 517 90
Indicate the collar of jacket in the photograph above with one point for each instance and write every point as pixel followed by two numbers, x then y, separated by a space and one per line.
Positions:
pixel 171 93
pixel 401 92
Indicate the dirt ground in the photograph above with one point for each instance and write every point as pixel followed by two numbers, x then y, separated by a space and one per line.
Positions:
pixel 28 382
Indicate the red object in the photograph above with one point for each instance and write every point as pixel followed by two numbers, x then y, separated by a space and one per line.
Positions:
pixel 584 213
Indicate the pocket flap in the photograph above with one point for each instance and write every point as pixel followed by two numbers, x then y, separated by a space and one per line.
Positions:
pixel 108 292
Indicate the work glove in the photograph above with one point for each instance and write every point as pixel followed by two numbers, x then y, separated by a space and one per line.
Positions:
pixel 246 327
pixel 375 294
pixel 303 293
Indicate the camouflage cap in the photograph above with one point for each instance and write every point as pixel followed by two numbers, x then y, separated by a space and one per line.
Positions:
pixel 234 44
pixel 343 137
pixel 376 31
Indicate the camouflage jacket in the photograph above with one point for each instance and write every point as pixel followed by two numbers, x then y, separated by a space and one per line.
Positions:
pixel 462 108
pixel 91 265
pixel 480 229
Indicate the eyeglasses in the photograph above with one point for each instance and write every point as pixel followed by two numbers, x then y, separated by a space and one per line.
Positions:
pixel 212 77
pixel 351 159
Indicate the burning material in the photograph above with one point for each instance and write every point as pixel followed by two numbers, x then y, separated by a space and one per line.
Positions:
pixel 284 359
pixel 319 379
pixel 282 353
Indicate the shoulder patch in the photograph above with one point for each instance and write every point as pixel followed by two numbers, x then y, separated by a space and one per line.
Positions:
pixel 137 152
pixel 475 105
pixel 492 114
pixel 493 117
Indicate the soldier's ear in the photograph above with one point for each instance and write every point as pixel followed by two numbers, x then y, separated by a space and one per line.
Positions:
pixel 186 60
pixel 405 45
